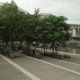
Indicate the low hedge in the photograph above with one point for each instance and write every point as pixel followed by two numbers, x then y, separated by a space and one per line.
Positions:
pixel 57 56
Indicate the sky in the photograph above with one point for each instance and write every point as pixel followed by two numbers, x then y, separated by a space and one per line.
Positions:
pixel 67 8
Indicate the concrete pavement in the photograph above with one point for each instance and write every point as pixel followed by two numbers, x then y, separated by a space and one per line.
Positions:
pixel 64 63
pixel 75 58
pixel 9 72
pixel 45 69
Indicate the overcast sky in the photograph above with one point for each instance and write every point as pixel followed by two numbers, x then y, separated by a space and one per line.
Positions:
pixel 67 8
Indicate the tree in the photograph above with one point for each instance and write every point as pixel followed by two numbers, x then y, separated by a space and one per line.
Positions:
pixel 7 13
pixel 13 23
pixel 18 26
pixel 55 31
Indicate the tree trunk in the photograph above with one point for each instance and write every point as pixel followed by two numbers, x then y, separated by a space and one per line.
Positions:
pixel 53 48
pixel 20 45
pixel 44 48
pixel 6 44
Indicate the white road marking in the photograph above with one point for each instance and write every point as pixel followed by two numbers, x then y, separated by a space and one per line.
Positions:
pixel 68 54
pixel 33 77
pixel 27 73
pixel 68 62
pixel 57 66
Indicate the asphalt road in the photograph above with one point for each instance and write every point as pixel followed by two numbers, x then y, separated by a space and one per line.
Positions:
pixel 28 68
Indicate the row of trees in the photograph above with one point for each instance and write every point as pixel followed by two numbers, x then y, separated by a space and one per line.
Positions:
pixel 17 25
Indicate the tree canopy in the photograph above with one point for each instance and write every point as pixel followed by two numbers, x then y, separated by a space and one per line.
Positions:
pixel 17 25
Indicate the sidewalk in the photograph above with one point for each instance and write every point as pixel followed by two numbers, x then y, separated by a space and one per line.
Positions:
pixel 47 71
pixel 9 72
pixel 54 70
pixel 75 58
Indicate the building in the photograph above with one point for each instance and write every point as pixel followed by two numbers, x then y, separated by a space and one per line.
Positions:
pixel 75 31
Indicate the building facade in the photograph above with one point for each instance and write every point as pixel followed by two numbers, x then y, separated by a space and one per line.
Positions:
pixel 75 31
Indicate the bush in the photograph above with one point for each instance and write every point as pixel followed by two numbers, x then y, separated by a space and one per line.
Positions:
pixel 57 56
pixel 38 54
pixel 4 51
pixel 67 56
pixel 16 54
pixel 32 52
pixel 28 51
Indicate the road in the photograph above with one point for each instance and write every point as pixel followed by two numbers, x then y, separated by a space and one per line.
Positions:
pixel 28 68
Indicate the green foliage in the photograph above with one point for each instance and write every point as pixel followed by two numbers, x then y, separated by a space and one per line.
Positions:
pixel 16 25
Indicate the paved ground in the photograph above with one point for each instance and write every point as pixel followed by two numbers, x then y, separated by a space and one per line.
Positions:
pixel 75 58
pixel 51 70
pixel 9 72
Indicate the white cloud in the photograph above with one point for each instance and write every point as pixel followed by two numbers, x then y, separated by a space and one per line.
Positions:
pixel 68 8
